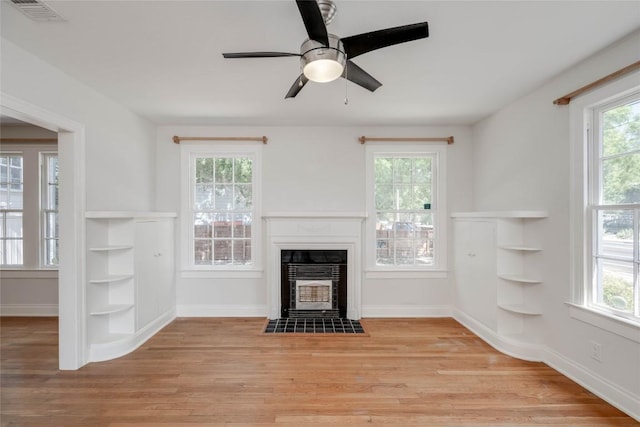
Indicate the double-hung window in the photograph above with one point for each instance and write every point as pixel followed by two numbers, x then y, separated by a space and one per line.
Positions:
pixel 221 208
pixel 11 206
pixel 613 212
pixel 49 209
pixel 406 208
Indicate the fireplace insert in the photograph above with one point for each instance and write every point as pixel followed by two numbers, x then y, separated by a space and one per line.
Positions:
pixel 313 283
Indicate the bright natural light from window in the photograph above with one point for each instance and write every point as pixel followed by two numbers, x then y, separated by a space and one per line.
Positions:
pixel 404 221
pixel 49 209
pixel 616 208
pixel 11 205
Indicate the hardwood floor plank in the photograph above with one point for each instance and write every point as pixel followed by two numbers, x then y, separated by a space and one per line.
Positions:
pixel 225 372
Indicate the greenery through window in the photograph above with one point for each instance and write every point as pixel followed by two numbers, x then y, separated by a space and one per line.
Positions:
pixel 615 208
pixel 403 197
pixel 222 205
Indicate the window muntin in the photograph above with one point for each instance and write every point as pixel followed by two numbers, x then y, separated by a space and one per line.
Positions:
pixel 222 210
pixel 49 209
pixel 613 285
pixel 11 205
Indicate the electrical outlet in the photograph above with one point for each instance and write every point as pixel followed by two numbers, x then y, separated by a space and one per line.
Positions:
pixel 596 351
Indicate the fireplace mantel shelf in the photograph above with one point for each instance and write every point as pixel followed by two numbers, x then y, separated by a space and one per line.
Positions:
pixel 315 215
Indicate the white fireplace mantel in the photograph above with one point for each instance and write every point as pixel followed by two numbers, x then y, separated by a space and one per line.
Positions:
pixel 315 231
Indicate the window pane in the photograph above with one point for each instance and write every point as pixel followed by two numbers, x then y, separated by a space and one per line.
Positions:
pixel 383 170
pixel 51 252
pixel 202 252
pixel 224 197
pixel 15 197
pixel 243 170
pixel 422 170
pixel 202 226
pixel 14 225
pixel 51 225
pixel 615 287
pixel 405 199
pixel 621 129
pixel 222 251
pixel 203 197
pixel 402 170
pixel 621 179
pixel 616 234
pixel 204 170
pixel 14 252
pixel 242 196
pixel 385 199
pixel 224 170
pixel 242 251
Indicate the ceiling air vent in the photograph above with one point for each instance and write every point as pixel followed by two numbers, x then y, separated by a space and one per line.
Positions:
pixel 37 10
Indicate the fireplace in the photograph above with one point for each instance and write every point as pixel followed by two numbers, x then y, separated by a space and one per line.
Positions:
pixel 324 241
pixel 313 283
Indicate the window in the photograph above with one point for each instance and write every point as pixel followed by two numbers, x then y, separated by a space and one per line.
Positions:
pixel 11 204
pixel 222 207
pixel 613 212
pixel 406 208
pixel 49 209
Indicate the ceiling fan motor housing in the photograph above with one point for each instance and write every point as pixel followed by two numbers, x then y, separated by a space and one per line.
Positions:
pixel 321 63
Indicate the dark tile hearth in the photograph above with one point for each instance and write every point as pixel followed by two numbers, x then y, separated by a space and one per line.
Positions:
pixel 313 326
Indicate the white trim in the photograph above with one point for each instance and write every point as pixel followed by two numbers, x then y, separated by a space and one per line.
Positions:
pixel 406 274
pixel 501 214
pixel 29 310
pixel 212 310
pixel 129 342
pixel 624 400
pixel 400 311
pixel 608 322
pixel 506 345
pixel 71 292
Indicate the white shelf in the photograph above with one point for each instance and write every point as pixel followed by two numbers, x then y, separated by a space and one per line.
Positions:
pixel 111 309
pixel 519 309
pixel 112 279
pixel 110 248
pixel 520 248
pixel 519 279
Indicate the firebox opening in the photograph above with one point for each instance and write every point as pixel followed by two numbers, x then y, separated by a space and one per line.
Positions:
pixel 314 283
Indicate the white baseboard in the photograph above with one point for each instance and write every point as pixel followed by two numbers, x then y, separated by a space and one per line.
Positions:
pixel 621 399
pixel 511 347
pixel 126 343
pixel 29 310
pixel 207 310
pixel 406 311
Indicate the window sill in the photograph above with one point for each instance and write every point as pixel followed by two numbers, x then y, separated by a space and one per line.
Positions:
pixel 406 274
pixel 25 273
pixel 221 274
pixel 617 325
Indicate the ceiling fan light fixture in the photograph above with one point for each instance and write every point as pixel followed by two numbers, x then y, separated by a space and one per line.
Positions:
pixel 320 63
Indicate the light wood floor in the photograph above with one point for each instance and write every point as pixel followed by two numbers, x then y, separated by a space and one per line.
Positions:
pixel 223 372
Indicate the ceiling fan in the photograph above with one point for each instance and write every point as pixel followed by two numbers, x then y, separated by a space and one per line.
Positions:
pixel 324 57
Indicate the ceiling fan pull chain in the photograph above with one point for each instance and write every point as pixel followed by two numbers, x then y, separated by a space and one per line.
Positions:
pixel 346 86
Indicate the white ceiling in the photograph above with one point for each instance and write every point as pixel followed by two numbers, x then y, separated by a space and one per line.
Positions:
pixel 163 59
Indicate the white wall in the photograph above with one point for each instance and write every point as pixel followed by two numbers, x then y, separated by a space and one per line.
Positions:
pixel 522 161
pixel 119 144
pixel 313 169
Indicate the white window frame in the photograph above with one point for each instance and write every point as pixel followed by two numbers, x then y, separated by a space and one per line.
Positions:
pixel 44 198
pixel 188 152
pixel 438 151
pixel 582 230
pixel 6 211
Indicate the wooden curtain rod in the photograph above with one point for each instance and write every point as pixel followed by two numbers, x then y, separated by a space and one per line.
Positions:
pixel 565 100
pixel 28 139
pixel 447 139
pixel 177 139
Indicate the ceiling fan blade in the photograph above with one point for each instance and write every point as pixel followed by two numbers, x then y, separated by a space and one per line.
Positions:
pixel 313 21
pixel 357 75
pixel 366 42
pixel 297 86
pixel 258 54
